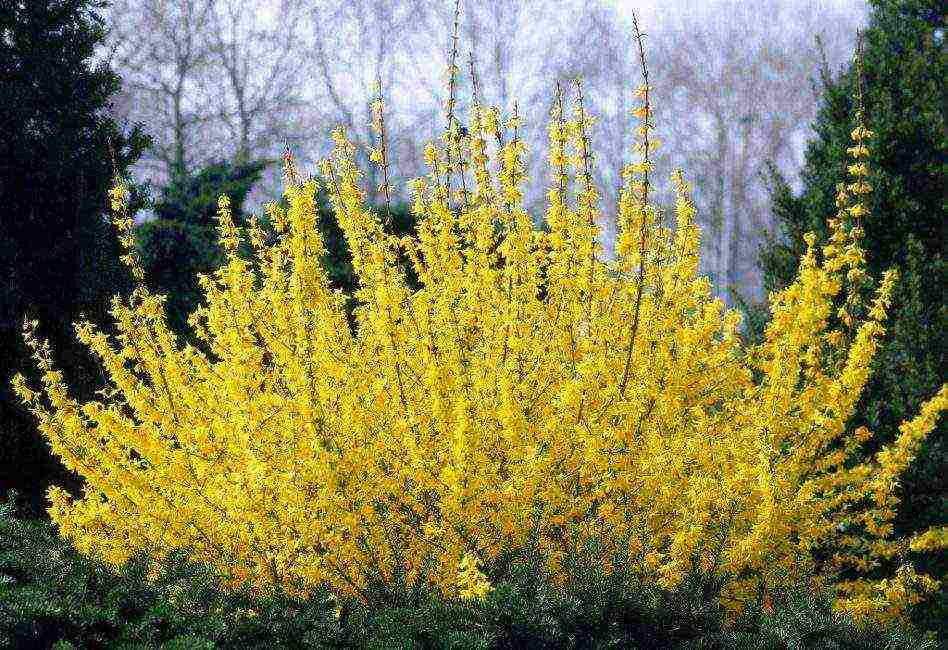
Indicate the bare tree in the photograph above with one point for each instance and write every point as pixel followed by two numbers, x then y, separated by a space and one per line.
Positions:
pixel 225 78
pixel 735 83
pixel 732 90
pixel 354 47
pixel 520 47
pixel 161 50
pixel 212 79
pixel 255 59
pixel 258 73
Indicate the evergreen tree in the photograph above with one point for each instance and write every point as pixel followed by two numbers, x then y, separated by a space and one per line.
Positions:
pixel 182 239
pixel 903 85
pixel 59 150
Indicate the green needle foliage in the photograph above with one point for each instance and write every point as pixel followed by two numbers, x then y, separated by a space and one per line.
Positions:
pixel 182 240
pixel 50 596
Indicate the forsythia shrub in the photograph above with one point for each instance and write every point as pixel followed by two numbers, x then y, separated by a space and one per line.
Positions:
pixel 531 394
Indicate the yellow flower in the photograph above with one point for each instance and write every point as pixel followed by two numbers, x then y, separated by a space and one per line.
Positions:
pixel 527 389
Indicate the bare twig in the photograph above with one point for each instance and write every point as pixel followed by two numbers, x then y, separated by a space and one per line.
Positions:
pixel 639 37
pixel 379 117
pixel 474 86
pixel 452 84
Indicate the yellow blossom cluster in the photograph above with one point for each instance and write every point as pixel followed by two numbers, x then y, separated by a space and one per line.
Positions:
pixel 530 393
pixel 471 582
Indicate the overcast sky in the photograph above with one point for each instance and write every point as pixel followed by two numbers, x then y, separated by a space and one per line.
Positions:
pixel 652 9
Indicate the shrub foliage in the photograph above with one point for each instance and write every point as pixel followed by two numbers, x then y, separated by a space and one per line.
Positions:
pixel 527 396
pixel 904 64
pixel 51 596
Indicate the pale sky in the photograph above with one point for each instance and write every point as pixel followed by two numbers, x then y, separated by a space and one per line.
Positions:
pixel 649 11
pixel 648 7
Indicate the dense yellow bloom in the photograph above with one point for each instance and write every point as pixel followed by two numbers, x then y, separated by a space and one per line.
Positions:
pixel 932 539
pixel 530 393
pixel 471 582
pixel 860 134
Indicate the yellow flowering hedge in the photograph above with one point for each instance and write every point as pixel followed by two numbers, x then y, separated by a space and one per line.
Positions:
pixel 530 394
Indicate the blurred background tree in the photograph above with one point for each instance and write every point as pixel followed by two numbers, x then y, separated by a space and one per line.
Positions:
pixel 59 149
pixel 236 79
pixel 904 72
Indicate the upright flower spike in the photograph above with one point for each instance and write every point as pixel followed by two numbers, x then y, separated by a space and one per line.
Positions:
pixel 452 133
pixel 854 205
pixel 637 208
pixel 124 225
pixel 379 155
pixel 528 394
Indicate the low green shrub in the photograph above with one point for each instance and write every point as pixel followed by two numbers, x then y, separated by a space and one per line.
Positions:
pixel 52 597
